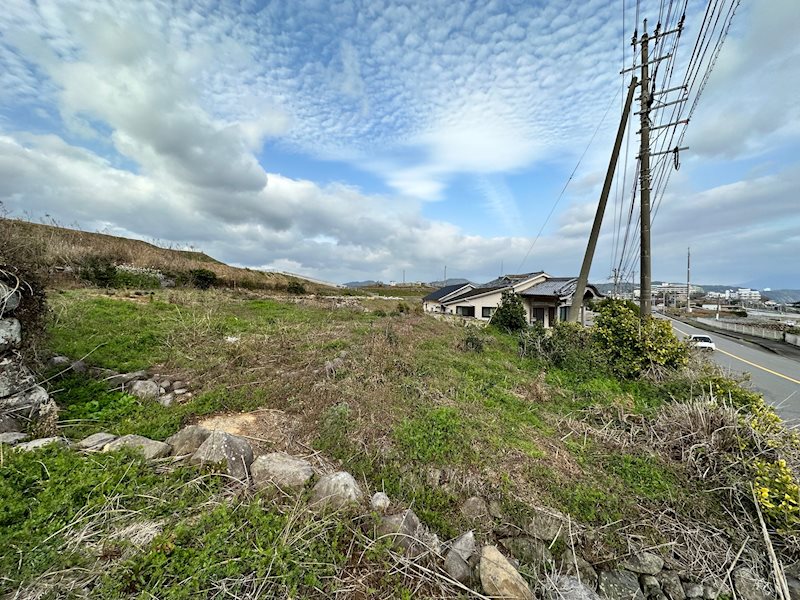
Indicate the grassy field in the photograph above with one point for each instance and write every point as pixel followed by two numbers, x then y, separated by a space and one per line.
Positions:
pixel 431 412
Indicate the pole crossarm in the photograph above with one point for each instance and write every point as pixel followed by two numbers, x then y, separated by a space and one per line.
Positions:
pixel 652 62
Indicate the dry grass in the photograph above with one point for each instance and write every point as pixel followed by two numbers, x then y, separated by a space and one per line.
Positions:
pixel 59 252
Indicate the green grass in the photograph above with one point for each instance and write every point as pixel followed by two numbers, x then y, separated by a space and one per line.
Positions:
pixel 438 436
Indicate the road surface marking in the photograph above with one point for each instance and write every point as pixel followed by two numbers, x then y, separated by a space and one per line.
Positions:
pixel 752 364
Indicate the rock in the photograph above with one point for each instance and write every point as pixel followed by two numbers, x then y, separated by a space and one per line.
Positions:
pixel 643 562
pixel 671 585
pixel 433 477
pixel 166 399
pixel 10 334
pixel 9 299
pixel 692 590
pixel 179 385
pixel 748 585
pixel 187 440
pixel 496 510
pixel 14 377
pixel 9 424
pixel 566 587
pixel 144 389
pixel 79 366
pixel 457 568
pixel 380 502
pixel 575 566
pixel 58 362
pixel 650 585
pixel 117 380
pixel 546 524
pixel 335 491
pixel 180 391
pixel 25 402
pixel 710 589
pixel 528 550
pixel 96 441
pixel 165 383
pixel 464 546
pixel 41 443
pixel 222 449
pixel 499 579
pixel 619 585
pixel 281 470
pixel 402 530
pixel 12 438
pixel 475 509
pixel 151 449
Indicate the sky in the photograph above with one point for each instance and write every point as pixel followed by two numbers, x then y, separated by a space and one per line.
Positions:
pixel 371 140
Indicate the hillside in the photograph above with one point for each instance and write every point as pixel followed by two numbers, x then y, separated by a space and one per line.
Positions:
pixel 537 448
pixel 70 255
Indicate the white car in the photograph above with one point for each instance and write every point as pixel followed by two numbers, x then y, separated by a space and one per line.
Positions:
pixel 703 342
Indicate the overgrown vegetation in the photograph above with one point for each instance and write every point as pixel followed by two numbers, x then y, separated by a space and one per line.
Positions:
pixel 510 315
pixel 430 412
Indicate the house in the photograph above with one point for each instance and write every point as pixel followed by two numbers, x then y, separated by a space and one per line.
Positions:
pixel 433 301
pixel 546 299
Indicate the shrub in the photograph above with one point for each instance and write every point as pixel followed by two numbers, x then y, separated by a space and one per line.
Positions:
pixel 295 287
pixel 473 340
pixel 510 315
pixel 403 308
pixel 202 278
pixel 633 345
pixel 98 270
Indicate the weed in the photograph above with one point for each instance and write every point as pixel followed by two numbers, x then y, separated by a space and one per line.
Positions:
pixel 438 435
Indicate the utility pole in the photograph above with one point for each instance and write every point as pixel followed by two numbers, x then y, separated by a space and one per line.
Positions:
pixel 688 279
pixel 645 99
pixel 404 276
pixel 445 275
pixel 583 278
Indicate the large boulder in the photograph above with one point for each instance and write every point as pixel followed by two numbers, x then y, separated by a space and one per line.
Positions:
pixel 96 441
pixel 566 587
pixel 10 334
pixel 231 453
pixel 748 585
pixel 151 449
pixel 188 440
pixel 281 470
pixel 619 585
pixel 645 563
pixel 499 579
pixel 335 491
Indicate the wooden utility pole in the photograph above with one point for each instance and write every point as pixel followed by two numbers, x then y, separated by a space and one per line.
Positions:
pixel 645 99
pixel 583 278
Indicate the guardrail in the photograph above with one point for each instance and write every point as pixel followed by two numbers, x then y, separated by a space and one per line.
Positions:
pixel 768 334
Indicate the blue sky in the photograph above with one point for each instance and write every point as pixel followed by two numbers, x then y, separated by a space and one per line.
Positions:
pixel 355 140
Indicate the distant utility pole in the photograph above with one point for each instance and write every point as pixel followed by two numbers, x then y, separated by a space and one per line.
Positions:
pixel 688 278
pixel 580 286
pixel 445 275
pixel 404 276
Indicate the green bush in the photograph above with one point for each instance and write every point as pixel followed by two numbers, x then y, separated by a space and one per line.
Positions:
pixel 510 315
pixel 98 270
pixel 132 279
pixel 295 287
pixel 633 345
pixel 202 278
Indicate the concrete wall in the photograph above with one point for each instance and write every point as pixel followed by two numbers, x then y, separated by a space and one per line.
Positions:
pixel 793 338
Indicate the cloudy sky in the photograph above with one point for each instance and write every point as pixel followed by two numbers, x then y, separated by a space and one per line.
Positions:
pixel 355 140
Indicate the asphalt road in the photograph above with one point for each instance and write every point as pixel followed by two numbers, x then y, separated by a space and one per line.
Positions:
pixel 776 377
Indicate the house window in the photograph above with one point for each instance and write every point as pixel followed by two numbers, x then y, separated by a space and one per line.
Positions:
pixel 537 314
pixel 465 311
pixel 563 313
pixel 487 312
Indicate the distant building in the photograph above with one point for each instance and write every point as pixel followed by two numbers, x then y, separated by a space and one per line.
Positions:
pixel 748 295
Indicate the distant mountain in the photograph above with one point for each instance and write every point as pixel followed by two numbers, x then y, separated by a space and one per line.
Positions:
pixel 360 284
pixel 783 296
pixel 442 283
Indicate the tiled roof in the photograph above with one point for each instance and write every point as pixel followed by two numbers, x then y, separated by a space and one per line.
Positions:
pixel 477 292
pixel 442 292
pixel 556 286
